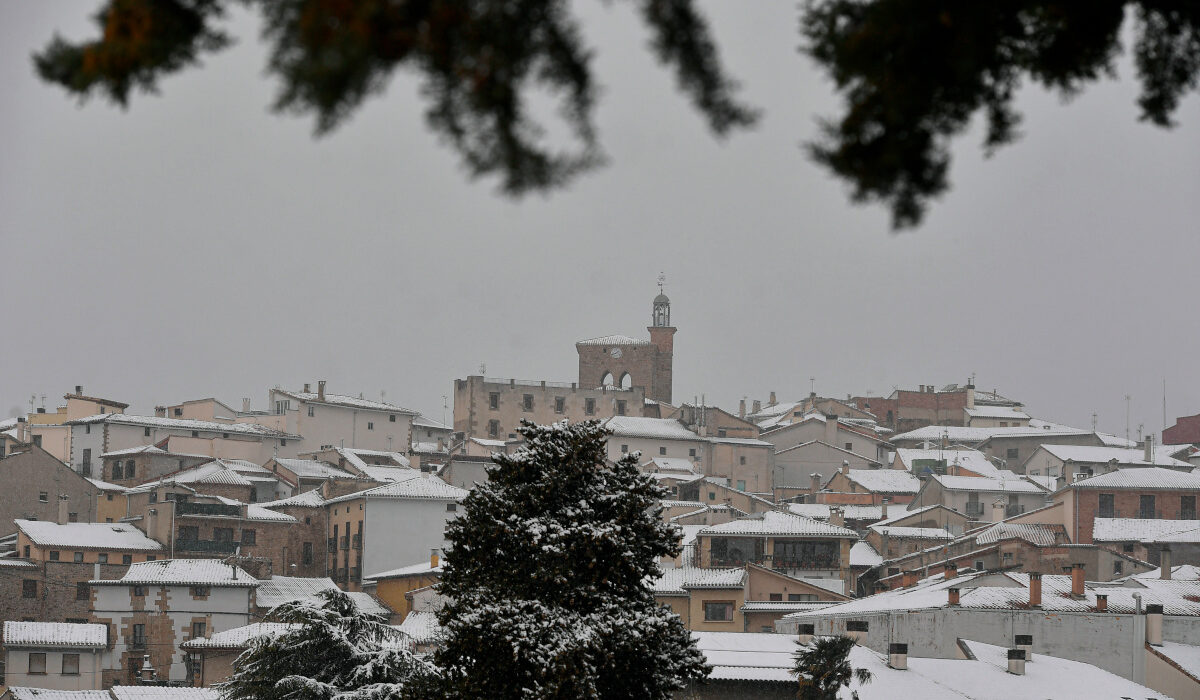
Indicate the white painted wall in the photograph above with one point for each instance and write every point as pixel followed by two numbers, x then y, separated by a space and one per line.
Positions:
pixel 90 664
pixel 398 532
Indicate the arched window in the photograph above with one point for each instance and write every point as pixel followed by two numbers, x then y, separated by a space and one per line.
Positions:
pixel 626 381
pixel 607 379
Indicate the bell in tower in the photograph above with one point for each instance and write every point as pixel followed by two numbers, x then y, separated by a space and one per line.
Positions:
pixel 662 307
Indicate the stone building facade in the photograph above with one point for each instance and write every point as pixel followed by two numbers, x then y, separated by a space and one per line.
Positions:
pixel 623 361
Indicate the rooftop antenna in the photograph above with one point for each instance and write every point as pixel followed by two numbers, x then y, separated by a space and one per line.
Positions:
pixel 812 385
pixel 445 407
pixel 1164 423
pixel 1093 422
pixel 43 400
pixel 1127 400
pixel 1140 427
pixel 482 368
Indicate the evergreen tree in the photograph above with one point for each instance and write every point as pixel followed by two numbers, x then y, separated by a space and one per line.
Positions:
pixel 334 651
pixel 823 667
pixel 547 573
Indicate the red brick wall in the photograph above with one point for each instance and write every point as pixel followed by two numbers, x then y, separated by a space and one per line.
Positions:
pixel 1185 430
pixel 1127 504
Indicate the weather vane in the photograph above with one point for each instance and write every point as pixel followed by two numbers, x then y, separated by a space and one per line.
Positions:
pixel 662 278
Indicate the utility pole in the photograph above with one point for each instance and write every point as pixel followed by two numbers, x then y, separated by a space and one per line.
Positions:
pixel 1127 400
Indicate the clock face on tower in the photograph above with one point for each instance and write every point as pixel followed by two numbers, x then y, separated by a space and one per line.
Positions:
pixel 616 353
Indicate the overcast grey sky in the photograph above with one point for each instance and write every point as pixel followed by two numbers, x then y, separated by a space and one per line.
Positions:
pixel 197 245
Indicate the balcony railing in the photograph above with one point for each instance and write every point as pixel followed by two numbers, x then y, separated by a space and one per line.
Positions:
pixel 211 546
pixel 356 542
pixel 332 544
pixel 345 543
pixel 188 508
pixel 355 573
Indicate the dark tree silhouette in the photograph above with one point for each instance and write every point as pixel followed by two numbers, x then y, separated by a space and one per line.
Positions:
pixel 912 72
pixel 823 668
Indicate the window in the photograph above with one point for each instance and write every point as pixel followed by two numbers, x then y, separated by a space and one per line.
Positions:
pixel 741 485
pixel 189 532
pixel 72 517
pixel 721 432
pixel 801 597
pixel 1146 506
pixel 146 432
pixel 179 411
pixel 225 435
pixel 451 507
pixel 139 591
pixel 154 496
pixel 979 565
pixel 1128 548
pixel 1187 507
pixel 53 555
pixel 37 440
pixel 307 556
pixel 198 630
pixel 494 401
pixel 527 402
pixel 102 558
pixel 26 551
pixel 493 428
pixel 82 592
pixel 87 458
pixel 43 497
pixel 620 408
pixel 200 591
pixel 624 449
pixel 856 625
pixel 1118 567
pixel 1011 453
pixel 249 537
pixel 692 452
pixel 87 429
pixel 311 411
pixel 560 404
pixel 662 451
pixel 139 636
pixel 37 663
pixel 78 556
pixel 29 588
pixel 283 443
pixel 742 459
pixel 589 406
pixel 777 596
pixel 370 425
pixel 712 495
pixel 1105 509
pixel 126 559
pixel 223 534
pixel 720 611
pixel 195 433
pixel 117 472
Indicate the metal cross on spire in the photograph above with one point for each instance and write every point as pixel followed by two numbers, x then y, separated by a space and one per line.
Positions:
pixel 662 279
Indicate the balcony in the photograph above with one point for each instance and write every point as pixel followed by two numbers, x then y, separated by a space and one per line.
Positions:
pixel 974 510
pixel 188 508
pixel 355 573
pixel 356 542
pixel 345 543
pixel 209 546
pixel 332 544
pixel 1011 510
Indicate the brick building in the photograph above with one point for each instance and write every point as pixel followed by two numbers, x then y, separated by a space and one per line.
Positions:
pixel 619 360
pixel 43 480
pixel 1185 431
pixel 1144 493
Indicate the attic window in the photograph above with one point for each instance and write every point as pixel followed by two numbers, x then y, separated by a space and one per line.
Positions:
pixel 196 433
pixel 392 418
pixel 856 625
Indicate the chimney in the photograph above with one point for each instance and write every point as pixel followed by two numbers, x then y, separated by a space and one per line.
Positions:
pixel 951 572
pixel 815 484
pixel 836 517
pixel 1148 449
pixel 742 408
pixel 909 578
pixel 245 405
pixel 807 631
pixel 307 388
pixel 845 466
pixel 898 656
pixel 757 406
pixel 1164 563
pixel 1024 642
pixel 1154 624
pixel 954 596
pixel 997 511
pixel 970 396
pixel 441 445
pixel 64 506
pixel 434 559
pixel 831 431
pixel 1101 602
pixel 884 543
pixel 772 402
pixel 1035 589
pixel 883 509
pixel 1077 580
pixel 1016 662
pixel 79 390
pixel 321 390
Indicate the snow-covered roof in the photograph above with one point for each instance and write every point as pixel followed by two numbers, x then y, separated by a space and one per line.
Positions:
pixel 423 487
pixel 239 637
pixel 898 513
pixel 884 480
pixel 107 536
pixel 671 464
pixel 347 401
pixel 104 485
pixel 1132 456
pixel 776 523
pixel 850 511
pixel 313 469
pixel 183 424
pixel 151 450
pixel 958 433
pixel 183 572
pixel 913 533
pixel 308 499
pixel 863 554
pixel 424 421
pixel 1141 478
pixel 417 569
pixel 679 580
pixel 1141 530
pixel 1000 412
pixel 421 626
pixel 613 340
pixel 785 606
pixel 355 457
pixel 1042 535
pixel 54 634
pixel 18 692
pixel 283 589
pixel 139 692
pixel 655 428
pixel 826 444
pixel 973 460
pixel 985 484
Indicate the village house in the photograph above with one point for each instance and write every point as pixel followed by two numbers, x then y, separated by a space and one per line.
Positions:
pixel 710 491
pixel 1147 539
pixel 52 432
pixel 212 656
pixel 335 420
pixel 53 655
pixel 1066 463
pixel 774 415
pixel 158 605
pixel 1186 431
pixel 954 460
pixel 394 586
pixel 869 487
pixel 42 479
pixel 995 417
pixel 363 526
pixel 1146 493
pixel 277 590
pixel 981 498
pixel 137 465
pixel 906 410
pixel 832 431
pixel 63 557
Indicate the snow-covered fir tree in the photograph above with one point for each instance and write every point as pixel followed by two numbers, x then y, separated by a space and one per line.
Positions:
pixel 547 573
pixel 332 651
